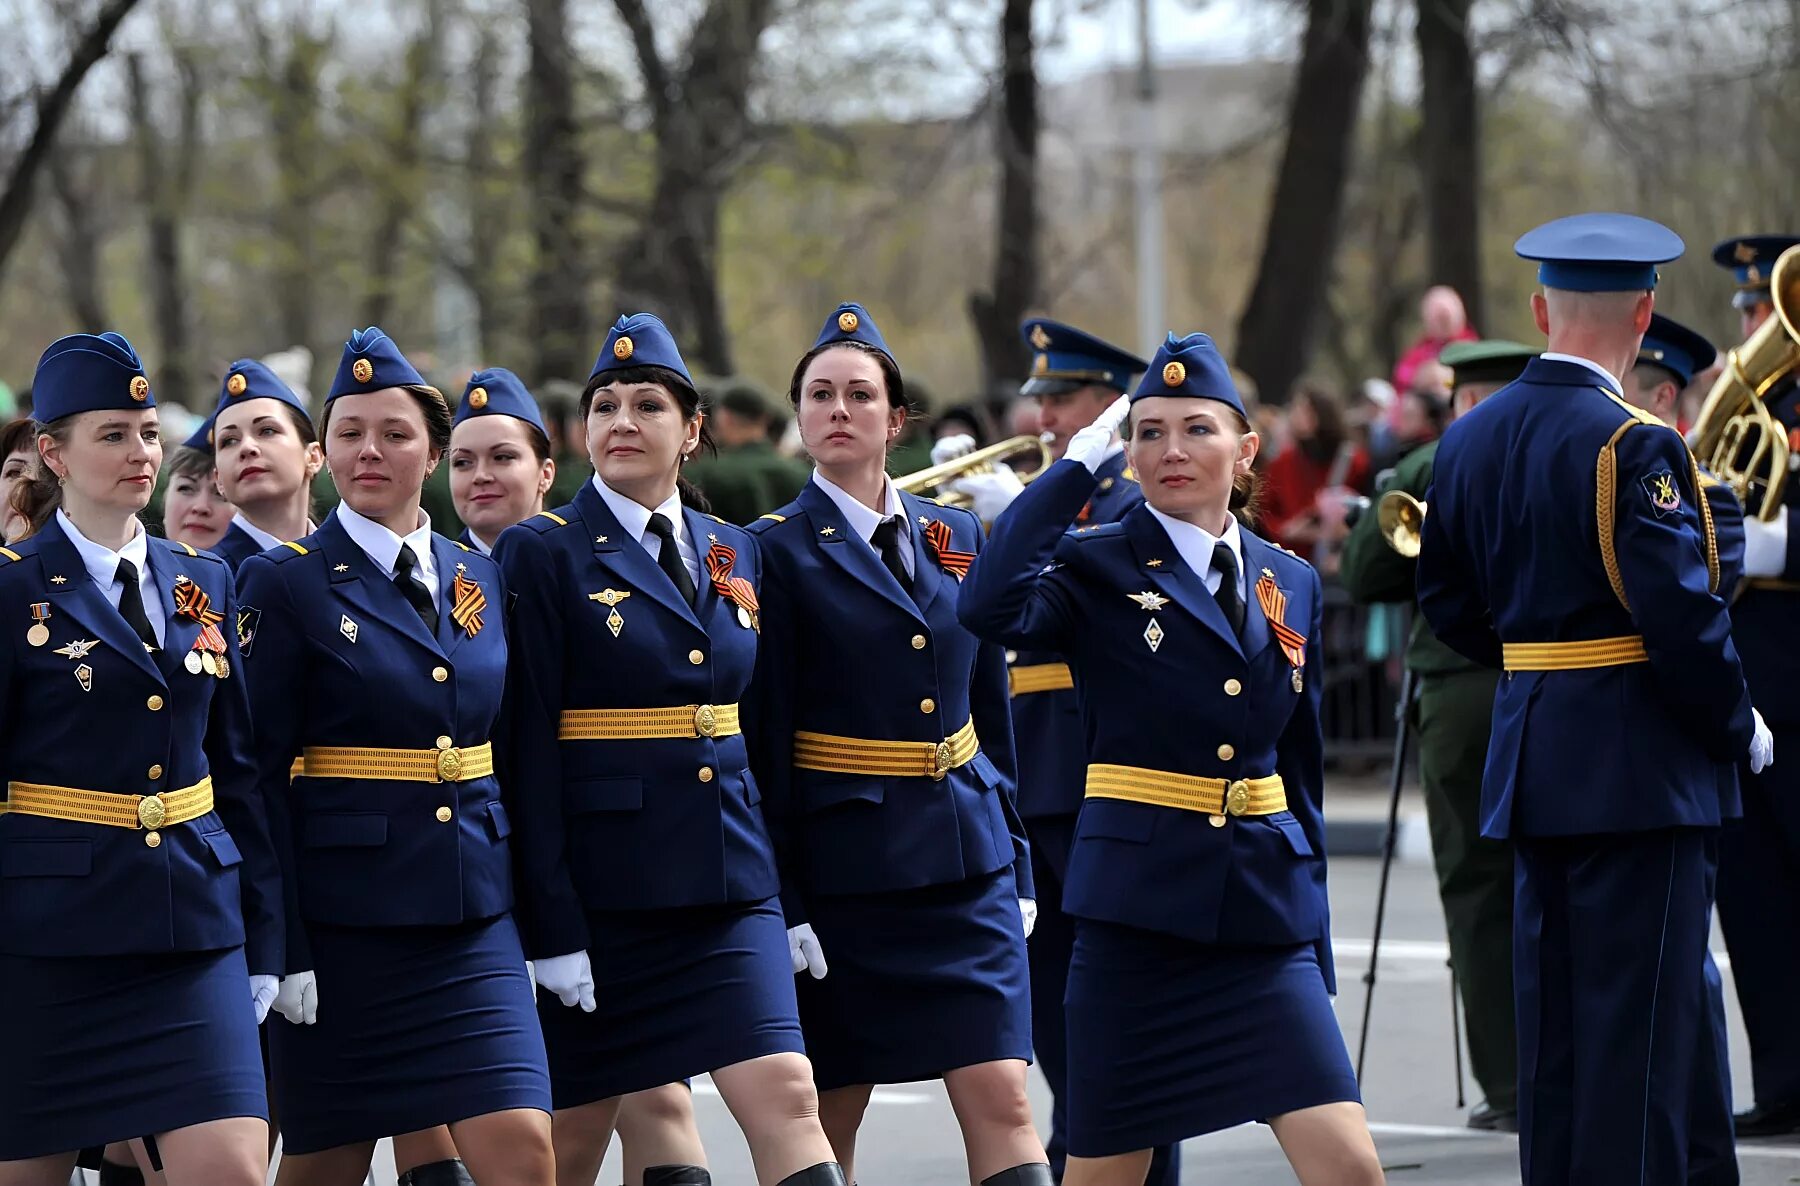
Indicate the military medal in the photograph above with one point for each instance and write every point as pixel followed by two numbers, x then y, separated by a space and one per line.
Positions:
pixel 736 590
pixel 39 634
pixel 210 664
pixel 1274 608
pixel 193 663
pixel 615 621
pixel 743 617
pixel 1299 684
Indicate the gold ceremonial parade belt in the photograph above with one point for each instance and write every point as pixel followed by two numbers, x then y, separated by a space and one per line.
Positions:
pixel 894 759
pixel 1574 656
pixel 108 809
pixel 1039 677
pixel 1211 796
pixel 636 724
pixel 446 763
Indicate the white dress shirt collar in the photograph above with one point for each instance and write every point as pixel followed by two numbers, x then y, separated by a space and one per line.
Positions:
pixel 102 564
pixel 1195 544
pixel 383 547
pixel 263 539
pixel 1612 380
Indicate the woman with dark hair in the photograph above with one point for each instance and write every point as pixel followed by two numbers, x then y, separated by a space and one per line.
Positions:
pixel 140 907
pixel 647 876
pixel 1198 994
pixel 500 463
pixel 1321 456
pixel 882 738
pixel 18 457
pixel 266 453
pixel 195 513
pixel 378 654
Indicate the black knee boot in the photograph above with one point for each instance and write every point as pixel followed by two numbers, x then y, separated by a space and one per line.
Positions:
pixel 826 1173
pixel 677 1175
pixel 1036 1173
pixel 437 1173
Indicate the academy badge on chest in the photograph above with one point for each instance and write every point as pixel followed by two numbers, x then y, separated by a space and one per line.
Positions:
pixel 610 598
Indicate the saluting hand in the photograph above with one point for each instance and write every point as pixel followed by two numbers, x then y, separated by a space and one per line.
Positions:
pixel 570 977
pixel 804 949
pixel 1090 445
pixel 262 994
pixel 298 998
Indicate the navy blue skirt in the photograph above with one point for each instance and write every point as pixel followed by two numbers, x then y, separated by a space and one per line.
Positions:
pixel 106 1048
pixel 1169 1038
pixel 418 1026
pixel 919 982
pixel 679 993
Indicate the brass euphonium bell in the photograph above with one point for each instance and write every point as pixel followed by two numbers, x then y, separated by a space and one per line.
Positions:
pixel 1735 436
pixel 1401 518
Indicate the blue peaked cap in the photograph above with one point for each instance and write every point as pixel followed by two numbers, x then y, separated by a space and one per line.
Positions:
pixel 498 392
pixel 1600 252
pixel 1751 258
pixel 1675 348
pixel 246 379
pixel 1190 366
pixel 89 373
pixel 372 362
pixel 1063 357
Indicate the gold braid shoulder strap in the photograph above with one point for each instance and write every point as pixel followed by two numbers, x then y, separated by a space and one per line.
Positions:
pixel 1606 482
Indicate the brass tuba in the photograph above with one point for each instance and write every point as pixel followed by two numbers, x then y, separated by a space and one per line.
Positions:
pixel 1401 518
pixel 934 481
pixel 1735 436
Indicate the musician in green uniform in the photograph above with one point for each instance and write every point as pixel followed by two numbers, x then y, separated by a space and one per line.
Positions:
pixel 1451 714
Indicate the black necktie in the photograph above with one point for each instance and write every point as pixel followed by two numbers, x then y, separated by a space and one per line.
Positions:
pixel 887 541
pixel 1225 564
pixel 668 557
pixel 406 567
pixel 131 604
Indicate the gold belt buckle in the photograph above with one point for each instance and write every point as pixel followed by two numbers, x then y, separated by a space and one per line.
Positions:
pixel 449 761
pixel 151 811
pixel 706 721
pixel 1237 797
pixel 940 759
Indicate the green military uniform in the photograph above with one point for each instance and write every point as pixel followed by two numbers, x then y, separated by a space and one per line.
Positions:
pixel 1451 716
pixel 748 481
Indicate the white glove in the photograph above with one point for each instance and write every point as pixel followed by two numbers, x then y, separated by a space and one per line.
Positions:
pixel 959 444
pixel 804 950
pixel 569 977
pixel 1028 913
pixel 1762 745
pixel 262 994
pixel 1091 444
pixel 1765 546
pixel 298 998
pixel 990 493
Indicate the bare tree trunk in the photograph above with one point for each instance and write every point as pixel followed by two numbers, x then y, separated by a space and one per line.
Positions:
pixel 289 84
pixel 166 180
pixel 1450 150
pixel 20 188
pixel 702 123
pixel 80 238
pixel 997 313
pixel 486 217
pixel 401 181
pixel 553 169
pixel 1280 323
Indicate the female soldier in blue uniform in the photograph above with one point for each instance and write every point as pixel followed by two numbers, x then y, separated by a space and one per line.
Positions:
pixel 266 453
pixel 883 742
pixel 140 899
pixel 500 463
pixel 1198 991
pixel 378 655
pixel 635 638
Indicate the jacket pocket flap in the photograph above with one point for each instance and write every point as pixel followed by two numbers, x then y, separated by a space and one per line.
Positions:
pixel 498 822
pixel 985 770
pixel 605 794
pixel 1296 835
pixel 1114 820
pixel 46 858
pixel 362 829
pixel 820 790
pixel 224 848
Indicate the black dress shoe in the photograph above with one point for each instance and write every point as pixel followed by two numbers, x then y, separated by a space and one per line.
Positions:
pixel 437 1173
pixel 1769 1120
pixel 1487 1118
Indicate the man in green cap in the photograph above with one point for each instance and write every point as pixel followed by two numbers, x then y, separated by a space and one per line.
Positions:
pixel 1451 714
pixel 748 477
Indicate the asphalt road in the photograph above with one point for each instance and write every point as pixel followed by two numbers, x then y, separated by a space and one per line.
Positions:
pixel 910 1137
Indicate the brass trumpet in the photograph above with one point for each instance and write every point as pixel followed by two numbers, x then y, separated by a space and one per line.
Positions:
pixel 934 480
pixel 1401 518
pixel 1735 436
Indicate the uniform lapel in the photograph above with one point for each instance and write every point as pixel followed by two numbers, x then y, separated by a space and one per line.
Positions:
pixel 627 557
pixel 834 537
pixel 76 594
pixel 367 589
pixel 707 601
pixel 1162 564
pixel 451 560
pixel 928 577
pixel 1256 565
pixel 179 632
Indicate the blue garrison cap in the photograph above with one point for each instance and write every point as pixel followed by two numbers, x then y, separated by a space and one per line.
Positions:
pixel 1675 348
pixel 498 392
pixel 640 340
pixel 1600 252
pixel 1062 357
pixel 1751 258
pixel 850 322
pixel 247 379
pixel 89 373
pixel 1190 366
pixel 372 362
